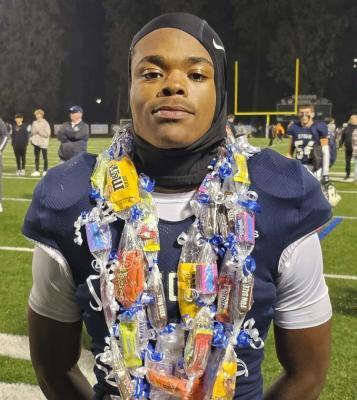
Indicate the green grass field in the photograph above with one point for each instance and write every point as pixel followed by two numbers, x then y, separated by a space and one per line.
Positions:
pixel 340 257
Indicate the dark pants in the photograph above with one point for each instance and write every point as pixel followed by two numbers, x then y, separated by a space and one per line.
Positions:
pixel 37 151
pixel 348 157
pixel 20 154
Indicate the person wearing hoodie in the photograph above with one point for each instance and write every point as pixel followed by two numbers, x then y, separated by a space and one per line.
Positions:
pixel 40 137
pixel 19 141
pixel 346 141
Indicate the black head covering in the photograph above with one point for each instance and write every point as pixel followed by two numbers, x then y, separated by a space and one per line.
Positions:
pixel 186 166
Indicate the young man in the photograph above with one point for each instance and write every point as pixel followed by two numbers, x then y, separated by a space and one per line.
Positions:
pixel 178 99
pixel 306 137
pixel 73 135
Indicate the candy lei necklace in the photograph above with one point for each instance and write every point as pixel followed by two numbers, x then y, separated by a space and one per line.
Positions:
pixel 146 357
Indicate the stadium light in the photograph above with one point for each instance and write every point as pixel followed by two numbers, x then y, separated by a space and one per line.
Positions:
pixel 355 60
pixel 98 100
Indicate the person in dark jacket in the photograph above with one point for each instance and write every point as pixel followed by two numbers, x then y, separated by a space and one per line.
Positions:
pixel 19 141
pixel 346 140
pixel 4 136
pixel 73 135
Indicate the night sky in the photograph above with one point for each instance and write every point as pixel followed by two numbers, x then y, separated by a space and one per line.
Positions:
pixel 92 45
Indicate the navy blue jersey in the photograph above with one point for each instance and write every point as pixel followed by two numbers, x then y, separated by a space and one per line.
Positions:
pixel 292 206
pixel 305 138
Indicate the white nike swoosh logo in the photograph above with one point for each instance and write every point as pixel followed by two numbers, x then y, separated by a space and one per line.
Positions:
pixel 217 46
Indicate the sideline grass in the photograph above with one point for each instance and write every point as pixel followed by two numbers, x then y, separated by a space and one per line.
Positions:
pixel 340 255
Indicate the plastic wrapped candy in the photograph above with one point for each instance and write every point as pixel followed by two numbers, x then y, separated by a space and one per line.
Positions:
pixel 226 282
pixel 147 224
pixel 157 311
pixel 244 229
pixel 99 240
pixel 225 222
pixel 220 378
pixel 225 380
pixel 110 306
pixel 122 187
pixel 99 175
pixel 244 293
pixel 242 298
pixel 128 336
pixel 129 274
pixel 241 176
pixel 198 344
pixel 206 274
pixel 186 274
pixel 120 372
pixel 209 219
pixel 170 384
pixel 144 334
pixel 187 293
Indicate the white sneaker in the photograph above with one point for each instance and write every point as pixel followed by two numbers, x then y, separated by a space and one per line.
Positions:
pixel 35 173
pixel 18 172
pixel 22 172
pixel 1 209
pixel 44 173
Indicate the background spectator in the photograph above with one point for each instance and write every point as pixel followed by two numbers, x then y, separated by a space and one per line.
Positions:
pixel 73 135
pixel 19 141
pixel 40 137
pixel 346 140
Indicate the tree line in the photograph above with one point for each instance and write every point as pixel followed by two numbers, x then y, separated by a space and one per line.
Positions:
pixel 56 53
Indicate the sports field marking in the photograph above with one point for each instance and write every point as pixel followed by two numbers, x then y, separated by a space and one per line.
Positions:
pixel 23 249
pixel 21 177
pixel 17 346
pixel 346 277
pixel 20 391
pixel 329 227
pixel 348 191
pixel 345 217
pixel 15 199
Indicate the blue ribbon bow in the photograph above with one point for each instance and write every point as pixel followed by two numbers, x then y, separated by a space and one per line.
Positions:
pixel 146 183
pixel 249 266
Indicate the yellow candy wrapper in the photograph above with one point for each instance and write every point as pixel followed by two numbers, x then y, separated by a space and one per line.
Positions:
pixel 242 174
pixel 186 283
pixel 128 339
pixel 225 383
pixel 122 184
pixel 99 176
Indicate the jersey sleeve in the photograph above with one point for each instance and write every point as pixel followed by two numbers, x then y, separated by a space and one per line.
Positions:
pixel 34 226
pixel 53 291
pixel 312 211
pixel 322 130
pixel 302 295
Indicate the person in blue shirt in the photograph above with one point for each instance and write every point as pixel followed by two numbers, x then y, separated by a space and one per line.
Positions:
pixel 178 96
